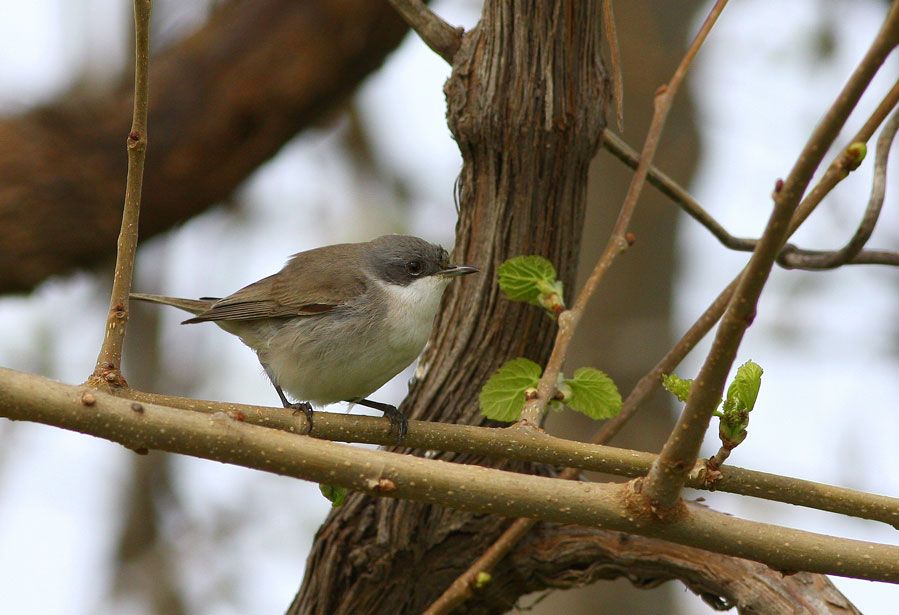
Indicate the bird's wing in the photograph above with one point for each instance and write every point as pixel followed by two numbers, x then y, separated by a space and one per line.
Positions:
pixel 312 282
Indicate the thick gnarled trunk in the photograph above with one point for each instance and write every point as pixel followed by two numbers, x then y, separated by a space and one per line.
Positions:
pixel 526 102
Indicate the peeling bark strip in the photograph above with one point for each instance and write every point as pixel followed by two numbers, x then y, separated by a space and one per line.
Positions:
pixel 567 556
pixel 526 104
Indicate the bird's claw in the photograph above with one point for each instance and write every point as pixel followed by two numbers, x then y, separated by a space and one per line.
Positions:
pixel 398 423
pixel 306 408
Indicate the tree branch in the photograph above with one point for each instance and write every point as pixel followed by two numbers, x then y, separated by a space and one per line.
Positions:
pixel 441 37
pixel 681 197
pixel 618 242
pixel 837 258
pixel 661 489
pixel 109 361
pixel 570 556
pixel 219 437
pixel 539 447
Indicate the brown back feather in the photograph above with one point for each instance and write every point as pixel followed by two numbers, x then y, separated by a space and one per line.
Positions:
pixel 312 282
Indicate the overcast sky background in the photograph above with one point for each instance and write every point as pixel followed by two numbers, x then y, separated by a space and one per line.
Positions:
pixel 827 341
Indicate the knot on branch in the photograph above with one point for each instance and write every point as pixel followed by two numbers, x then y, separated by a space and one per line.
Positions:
pixel 644 511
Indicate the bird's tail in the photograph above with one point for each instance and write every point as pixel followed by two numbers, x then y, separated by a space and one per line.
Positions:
pixel 194 306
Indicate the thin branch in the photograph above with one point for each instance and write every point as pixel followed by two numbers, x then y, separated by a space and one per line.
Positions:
pixel 463 587
pixel 842 165
pixel 616 146
pixel 568 320
pixel 647 385
pixel 108 368
pixel 661 489
pixel 831 260
pixel 441 37
pixel 219 437
pixel 619 239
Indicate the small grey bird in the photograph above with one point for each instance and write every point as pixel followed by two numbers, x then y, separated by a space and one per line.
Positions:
pixel 336 322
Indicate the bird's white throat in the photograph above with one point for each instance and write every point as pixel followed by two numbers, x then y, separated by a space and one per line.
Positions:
pixel 411 311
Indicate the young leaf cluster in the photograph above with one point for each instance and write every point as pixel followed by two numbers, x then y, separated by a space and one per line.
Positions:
pixel 741 396
pixel 532 279
pixel 736 406
pixel 589 391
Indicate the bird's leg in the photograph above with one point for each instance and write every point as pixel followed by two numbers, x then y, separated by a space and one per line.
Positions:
pixel 305 406
pixel 398 421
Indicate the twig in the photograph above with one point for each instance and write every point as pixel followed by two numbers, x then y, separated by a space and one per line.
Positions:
pixel 463 587
pixel 662 487
pixel 441 37
pixel 619 239
pixel 650 382
pixel 465 487
pixel 680 196
pixel 611 32
pixel 824 260
pixel 842 165
pixel 108 368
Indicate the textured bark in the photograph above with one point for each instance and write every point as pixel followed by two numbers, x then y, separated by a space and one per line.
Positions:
pixel 222 101
pixel 526 104
pixel 568 556
pixel 627 327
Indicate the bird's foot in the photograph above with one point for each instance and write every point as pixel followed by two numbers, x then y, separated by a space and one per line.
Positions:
pixel 398 421
pixel 306 409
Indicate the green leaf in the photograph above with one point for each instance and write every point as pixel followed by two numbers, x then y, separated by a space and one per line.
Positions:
pixel 336 494
pixel 593 393
pixel 677 386
pixel 503 396
pixel 531 279
pixel 744 390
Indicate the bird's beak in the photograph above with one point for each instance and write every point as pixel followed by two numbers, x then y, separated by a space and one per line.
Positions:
pixel 457 270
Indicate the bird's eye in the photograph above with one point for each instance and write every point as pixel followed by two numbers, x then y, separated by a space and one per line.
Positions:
pixel 414 268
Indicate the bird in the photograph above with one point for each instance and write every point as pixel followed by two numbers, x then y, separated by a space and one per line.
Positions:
pixel 336 322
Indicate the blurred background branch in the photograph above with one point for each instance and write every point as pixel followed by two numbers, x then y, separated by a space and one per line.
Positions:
pixel 226 99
